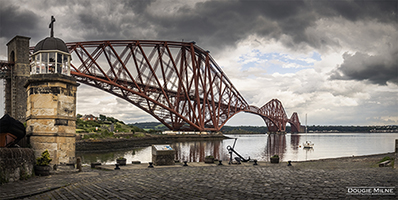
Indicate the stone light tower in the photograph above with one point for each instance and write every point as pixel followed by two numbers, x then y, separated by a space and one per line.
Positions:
pixel 51 101
pixel 15 95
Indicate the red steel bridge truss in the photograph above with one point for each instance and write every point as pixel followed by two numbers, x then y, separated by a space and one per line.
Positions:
pixel 178 83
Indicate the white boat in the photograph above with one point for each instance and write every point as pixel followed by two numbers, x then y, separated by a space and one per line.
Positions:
pixel 307 144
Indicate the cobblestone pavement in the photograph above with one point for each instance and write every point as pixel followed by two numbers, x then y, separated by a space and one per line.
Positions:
pixel 307 180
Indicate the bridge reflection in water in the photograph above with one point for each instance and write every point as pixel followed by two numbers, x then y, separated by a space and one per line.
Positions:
pixel 276 145
pixel 198 150
pixel 260 147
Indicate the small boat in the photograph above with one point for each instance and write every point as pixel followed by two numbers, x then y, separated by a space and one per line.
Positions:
pixel 11 131
pixel 308 144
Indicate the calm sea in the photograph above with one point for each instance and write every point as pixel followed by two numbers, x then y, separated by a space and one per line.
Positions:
pixel 263 146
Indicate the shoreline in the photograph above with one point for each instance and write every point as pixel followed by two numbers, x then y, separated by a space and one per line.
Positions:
pixel 369 156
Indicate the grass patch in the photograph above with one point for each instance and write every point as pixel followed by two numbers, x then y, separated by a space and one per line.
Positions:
pixel 392 160
pixel 385 159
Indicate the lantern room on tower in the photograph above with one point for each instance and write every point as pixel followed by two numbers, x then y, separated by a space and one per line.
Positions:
pixel 50 55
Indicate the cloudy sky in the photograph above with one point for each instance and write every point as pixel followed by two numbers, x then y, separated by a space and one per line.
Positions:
pixel 337 61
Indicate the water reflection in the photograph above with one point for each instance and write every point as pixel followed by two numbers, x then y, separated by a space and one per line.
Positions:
pixel 262 147
pixel 198 150
pixel 308 152
pixel 137 154
pixel 276 145
pixel 294 141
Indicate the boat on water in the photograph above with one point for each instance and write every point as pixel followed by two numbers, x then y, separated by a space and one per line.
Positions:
pixel 11 131
pixel 308 144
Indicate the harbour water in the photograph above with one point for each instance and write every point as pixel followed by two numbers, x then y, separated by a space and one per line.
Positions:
pixel 262 146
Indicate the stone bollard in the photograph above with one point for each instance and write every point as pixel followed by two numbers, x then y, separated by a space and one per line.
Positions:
pixel 117 167
pixel 255 162
pixel 79 164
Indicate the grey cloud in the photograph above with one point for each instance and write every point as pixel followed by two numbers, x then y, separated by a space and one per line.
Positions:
pixel 116 21
pixel 216 24
pixel 378 69
pixel 137 6
pixel 213 24
pixel 382 10
pixel 15 21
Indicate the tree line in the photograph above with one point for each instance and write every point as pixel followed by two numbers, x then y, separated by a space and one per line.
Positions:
pixel 157 127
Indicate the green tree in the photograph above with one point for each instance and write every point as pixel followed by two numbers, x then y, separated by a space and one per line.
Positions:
pixel 102 117
pixel 111 119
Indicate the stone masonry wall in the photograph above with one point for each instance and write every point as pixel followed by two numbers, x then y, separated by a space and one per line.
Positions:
pixel 16 164
pixel 18 52
pixel 51 116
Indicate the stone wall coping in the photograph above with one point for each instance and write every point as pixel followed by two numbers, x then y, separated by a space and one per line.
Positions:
pixel 18 37
pixel 51 78
pixel 46 134
pixel 50 117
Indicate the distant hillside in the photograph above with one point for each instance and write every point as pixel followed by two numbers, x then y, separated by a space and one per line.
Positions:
pixel 150 126
pixel 225 129
pixel 244 129
pixel 353 129
pixel 104 125
pixel 263 129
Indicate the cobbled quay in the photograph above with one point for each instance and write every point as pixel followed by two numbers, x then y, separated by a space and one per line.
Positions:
pixel 323 179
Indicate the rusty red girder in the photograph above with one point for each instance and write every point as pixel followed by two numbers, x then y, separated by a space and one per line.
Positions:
pixel 294 123
pixel 275 117
pixel 178 83
pixel 273 114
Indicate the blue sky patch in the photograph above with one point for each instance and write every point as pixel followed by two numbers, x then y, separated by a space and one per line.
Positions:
pixel 277 62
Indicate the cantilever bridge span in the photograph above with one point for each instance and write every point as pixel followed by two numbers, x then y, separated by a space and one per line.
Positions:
pixel 178 83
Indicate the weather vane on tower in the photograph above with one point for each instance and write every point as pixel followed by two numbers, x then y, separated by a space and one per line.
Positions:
pixel 52 26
